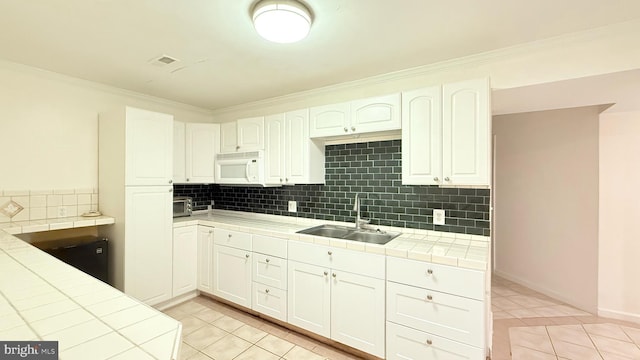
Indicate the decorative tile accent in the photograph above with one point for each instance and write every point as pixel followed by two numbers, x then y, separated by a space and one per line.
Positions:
pixel 11 209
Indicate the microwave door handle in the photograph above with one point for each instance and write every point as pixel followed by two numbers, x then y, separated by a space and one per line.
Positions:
pixel 246 170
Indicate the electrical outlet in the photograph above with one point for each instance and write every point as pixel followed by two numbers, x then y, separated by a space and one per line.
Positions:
pixel 293 206
pixel 62 211
pixel 438 217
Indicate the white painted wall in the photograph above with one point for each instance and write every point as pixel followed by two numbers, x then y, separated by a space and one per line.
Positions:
pixel 49 127
pixel 546 196
pixel 594 52
pixel 619 255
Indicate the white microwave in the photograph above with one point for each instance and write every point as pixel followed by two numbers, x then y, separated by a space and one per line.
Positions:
pixel 240 168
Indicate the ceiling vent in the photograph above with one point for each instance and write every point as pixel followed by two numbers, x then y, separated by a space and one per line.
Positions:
pixel 163 60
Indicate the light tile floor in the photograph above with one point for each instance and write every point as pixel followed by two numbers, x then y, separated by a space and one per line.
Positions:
pixel 212 330
pixel 528 325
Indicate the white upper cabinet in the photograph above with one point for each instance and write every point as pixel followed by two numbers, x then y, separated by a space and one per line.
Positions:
pixel 195 146
pixel 149 144
pixel 445 134
pixel 422 136
pixel 330 120
pixel 274 146
pixel 179 152
pixel 229 137
pixel 202 145
pixel 242 135
pixel 375 114
pixel 291 156
pixel 466 131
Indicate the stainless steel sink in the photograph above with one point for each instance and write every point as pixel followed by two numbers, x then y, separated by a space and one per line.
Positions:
pixel 347 233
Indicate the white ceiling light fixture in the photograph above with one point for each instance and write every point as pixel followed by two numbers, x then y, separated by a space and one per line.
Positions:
pixel 282 21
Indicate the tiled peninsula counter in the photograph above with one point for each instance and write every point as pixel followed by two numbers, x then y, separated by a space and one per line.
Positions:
pixel 42 298
pixel 427 293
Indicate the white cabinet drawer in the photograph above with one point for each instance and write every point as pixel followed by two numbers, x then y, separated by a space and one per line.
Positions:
pixel 234 239
pixel 270 270
pixel 454 317
pixel 404 343
pixel 337 258
pixel 270 245
pixel 448 279
pixel 270 301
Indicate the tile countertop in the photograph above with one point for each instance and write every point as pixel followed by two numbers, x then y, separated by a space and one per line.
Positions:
pixel 42 298
pixel 23 227
pixel 461 250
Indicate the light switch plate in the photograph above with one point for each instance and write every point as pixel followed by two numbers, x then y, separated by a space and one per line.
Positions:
pixel 438 217
pixel 293 206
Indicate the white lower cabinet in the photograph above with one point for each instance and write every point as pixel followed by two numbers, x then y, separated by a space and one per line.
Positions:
pixel 185 249
pixel 357 311
pixel 270 276
pixel 309 301
pixel 232 266
pixel 342 305
pixel 205 259
pixel 232 274
pixel 434 311
pixel 406 343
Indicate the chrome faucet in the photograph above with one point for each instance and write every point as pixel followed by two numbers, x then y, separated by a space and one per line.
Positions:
pixel 356 208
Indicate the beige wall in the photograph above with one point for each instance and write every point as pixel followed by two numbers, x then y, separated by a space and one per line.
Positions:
pixel 619 256
pixel 546 202
pixel 49 124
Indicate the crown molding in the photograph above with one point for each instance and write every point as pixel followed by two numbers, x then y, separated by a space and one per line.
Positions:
pixel 13 66
pixel 466 62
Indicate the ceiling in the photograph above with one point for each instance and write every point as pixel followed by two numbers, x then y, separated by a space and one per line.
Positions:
pixel 223 62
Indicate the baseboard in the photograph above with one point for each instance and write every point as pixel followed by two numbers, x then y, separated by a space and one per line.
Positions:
pixel 619 315
pixel 176 300
pixel 542 290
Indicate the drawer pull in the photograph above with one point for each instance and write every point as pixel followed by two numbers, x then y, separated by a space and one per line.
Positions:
pixel 326 273
pixel 229 236
pixel 334 275
pixel 266 290
pixel 330 253
pixel 429 297
pixel 267 260
pixel 429 272
pixel 429 342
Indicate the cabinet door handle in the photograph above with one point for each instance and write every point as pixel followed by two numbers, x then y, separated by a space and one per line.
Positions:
pixel 280 179
pixel 229 236
pixel 429 297
pixel 429 342
pixel 267 260
pixel 334 275
pixel 187 179
pixel 326 273
pixel 170 190
pixel 329 252
pixel 210 231
pixel 353 128
pixel 346 130
pixel 429 272
pixel 266 290
pixel 247 256
pixel 170 181
pixel 436 179
pixel 447 179
pixel 237 147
